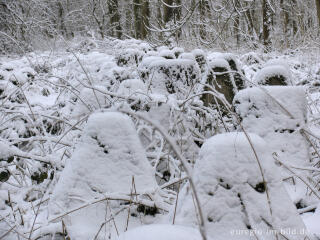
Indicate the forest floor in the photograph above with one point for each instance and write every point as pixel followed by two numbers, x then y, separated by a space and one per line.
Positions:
pixel 46 98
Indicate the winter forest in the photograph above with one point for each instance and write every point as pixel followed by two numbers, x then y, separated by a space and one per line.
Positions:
pixel 160 119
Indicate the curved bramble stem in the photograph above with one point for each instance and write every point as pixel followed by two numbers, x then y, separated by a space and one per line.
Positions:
pixel 184 164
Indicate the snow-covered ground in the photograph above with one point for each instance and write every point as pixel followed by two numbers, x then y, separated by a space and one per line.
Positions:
pixel 82 154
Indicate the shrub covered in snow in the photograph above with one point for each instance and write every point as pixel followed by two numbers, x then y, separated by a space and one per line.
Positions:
pixel 235 67
pixel 251 58
pixel 136 92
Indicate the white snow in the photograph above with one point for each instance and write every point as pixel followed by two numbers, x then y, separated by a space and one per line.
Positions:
pixel 161 232
pixel 168 76
pixel 266 111
pixel 168 54
pixel 185 55
pixel 251 58
pixel 131 86
pixel 44 124
pixel 279 122
pixel 106 160
pixel 262 76
pixel 218 62
pixel 89 100
pixel 232 196
pixel 6 151
pixel 198 52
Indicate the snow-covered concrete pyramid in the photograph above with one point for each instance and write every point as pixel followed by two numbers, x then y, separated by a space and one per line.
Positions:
pixel 237 201
pixel 274 72
pixel 161 232
pixel 220 79
pixel 169 76
pixel 276 114
pixel 105 161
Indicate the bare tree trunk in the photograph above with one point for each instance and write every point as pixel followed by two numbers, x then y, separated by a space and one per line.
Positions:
pixel 237 22
pixel 318 14
pixel 99 23
pixel 61 26
pixel 203 8
pixel 267 24
pixel 167 11
pixel 145 19
pixel 177 16
pixel 137 17
pixel 115 18
pixel 285 16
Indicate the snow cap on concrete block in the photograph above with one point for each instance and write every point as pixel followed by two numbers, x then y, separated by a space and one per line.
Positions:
pixel 273 75
pixel 108 156
pixel 167 54
pixel 276 114
pixel 177 51
pixel 233 193
pixel 109 152
pixel 169 76
pixel 218 63
pixel 186 55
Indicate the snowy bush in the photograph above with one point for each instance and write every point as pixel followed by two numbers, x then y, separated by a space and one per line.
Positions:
pixel 251 58
pixel 136 92
pixel 269 112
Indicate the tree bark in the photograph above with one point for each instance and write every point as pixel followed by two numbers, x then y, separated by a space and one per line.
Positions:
pixel 267 24
pixel 137 17
pixel 237 22
pixel 318 14
pixel 115 18
pixel 145 19
pixel 167 11
pixel 203 8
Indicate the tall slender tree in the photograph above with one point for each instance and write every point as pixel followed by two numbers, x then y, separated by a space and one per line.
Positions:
pixel 318 14
pixel 267 23
pixel 115 18
pixel 145 13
